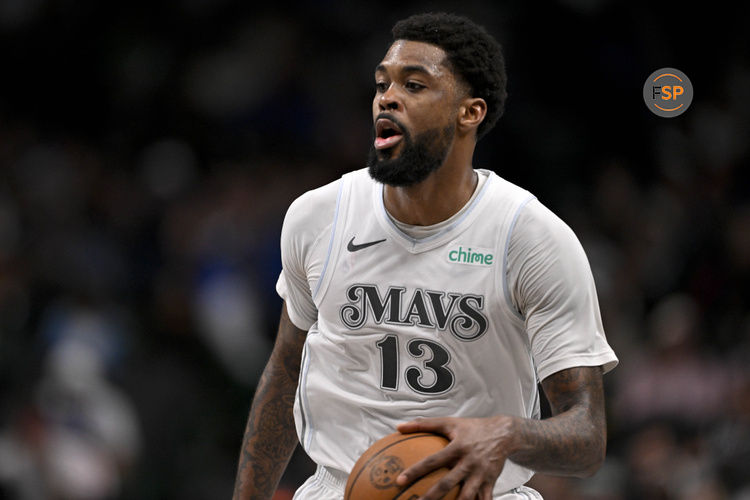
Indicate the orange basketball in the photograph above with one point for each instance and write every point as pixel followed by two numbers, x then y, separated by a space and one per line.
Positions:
pixel 374 475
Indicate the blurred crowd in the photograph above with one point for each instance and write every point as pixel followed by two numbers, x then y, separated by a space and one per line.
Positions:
pixel 148 152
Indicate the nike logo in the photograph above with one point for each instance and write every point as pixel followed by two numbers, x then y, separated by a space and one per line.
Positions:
pixel 353 247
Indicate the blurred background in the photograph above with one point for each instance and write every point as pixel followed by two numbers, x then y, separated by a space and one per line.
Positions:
pixel 149 150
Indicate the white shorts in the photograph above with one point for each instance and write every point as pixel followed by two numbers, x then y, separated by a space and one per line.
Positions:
pixel 329 484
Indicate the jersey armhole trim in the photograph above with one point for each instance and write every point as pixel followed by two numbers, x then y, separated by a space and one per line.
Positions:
pixel 330 242
pixel 506 289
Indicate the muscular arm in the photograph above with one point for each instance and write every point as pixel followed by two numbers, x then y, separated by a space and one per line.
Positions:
pixel 571 442
pixel 574 440
pixel 270 438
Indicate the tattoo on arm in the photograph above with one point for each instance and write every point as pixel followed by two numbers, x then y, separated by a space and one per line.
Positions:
pixel 572 441
pixel 270 437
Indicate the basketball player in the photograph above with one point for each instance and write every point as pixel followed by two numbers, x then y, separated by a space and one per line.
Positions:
pixel 421 294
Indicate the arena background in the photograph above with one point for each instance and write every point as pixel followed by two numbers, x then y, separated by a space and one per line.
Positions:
pixel 148 152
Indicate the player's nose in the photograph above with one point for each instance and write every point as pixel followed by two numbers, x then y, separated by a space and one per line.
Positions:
pixel 389 100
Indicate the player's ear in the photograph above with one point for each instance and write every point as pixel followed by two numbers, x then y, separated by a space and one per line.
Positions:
pixel 471 113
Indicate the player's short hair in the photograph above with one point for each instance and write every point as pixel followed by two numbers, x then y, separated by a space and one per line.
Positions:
pixel 473 54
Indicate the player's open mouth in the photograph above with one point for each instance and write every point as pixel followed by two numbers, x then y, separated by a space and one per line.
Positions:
pixel 387 134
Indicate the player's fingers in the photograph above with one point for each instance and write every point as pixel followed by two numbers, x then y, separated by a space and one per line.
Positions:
pixel 442 458
pixel 470 490
pixel 436 424
pixel 447 482
pixel 485 492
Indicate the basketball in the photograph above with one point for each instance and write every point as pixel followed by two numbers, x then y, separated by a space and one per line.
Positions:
pixel 373 476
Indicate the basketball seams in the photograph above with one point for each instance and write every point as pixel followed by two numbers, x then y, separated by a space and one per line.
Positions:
pixel 367 463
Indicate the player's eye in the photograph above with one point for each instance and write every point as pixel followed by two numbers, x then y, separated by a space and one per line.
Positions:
pixel 414 86
pixel 381 87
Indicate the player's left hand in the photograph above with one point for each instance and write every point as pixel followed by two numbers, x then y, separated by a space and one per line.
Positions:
pixel 476 454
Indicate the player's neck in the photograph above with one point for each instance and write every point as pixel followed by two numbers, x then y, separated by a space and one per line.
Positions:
pixel 433 200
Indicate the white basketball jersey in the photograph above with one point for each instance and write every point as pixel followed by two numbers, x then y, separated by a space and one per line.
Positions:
pixel 413 328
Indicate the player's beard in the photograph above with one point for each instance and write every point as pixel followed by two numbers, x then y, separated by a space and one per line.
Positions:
pixel 419 157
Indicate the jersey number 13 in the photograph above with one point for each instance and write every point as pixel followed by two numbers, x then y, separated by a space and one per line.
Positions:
pixel 436 359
